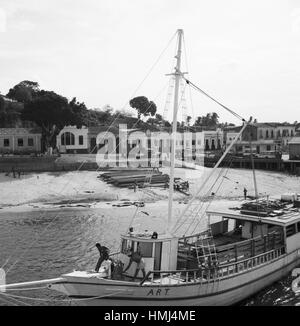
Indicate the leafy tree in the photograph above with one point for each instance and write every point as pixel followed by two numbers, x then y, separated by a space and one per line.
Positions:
pixel 24 92
pixel 52 112
pixel 188 120
pixel 143 106
pixel 10 113
pixel 210 120
pixel 78 113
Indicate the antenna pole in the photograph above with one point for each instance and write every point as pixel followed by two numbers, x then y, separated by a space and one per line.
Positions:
pixel 177 75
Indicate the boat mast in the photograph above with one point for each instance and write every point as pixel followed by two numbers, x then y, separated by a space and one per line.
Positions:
pixel 177 75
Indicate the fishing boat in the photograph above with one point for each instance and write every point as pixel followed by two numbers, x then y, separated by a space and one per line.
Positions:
pixel 242 250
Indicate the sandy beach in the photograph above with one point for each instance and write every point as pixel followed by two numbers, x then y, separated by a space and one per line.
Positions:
pixel 83 189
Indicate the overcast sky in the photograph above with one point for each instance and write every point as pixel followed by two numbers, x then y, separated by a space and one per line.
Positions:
pixel 245 53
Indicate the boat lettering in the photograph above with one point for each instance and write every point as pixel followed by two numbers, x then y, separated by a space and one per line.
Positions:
pixel 158 292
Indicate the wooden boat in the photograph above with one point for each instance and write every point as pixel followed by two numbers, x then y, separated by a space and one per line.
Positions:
pixel 241 252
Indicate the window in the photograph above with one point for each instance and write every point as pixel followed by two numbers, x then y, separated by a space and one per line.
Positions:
pixel 80 140
pixel 213 146
pixel 267 134
pixel 290 230
pixel 268 147
pixel 146 249
pixel 298 226
pixel 6 142
pixel 30 142
pixel 207 145
pixel 67 138
pixel 127 245
pixel 20 142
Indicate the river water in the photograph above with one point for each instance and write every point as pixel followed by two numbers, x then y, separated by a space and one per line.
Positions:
pixel 38 245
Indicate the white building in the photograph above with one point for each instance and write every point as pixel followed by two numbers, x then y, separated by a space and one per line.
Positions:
pixel 73 140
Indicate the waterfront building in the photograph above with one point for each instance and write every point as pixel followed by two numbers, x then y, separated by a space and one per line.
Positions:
pixel 266 139
pixel 294 148
pixel 72 140
pixel 20 141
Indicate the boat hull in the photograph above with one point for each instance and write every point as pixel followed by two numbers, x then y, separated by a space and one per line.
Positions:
pixel 227 291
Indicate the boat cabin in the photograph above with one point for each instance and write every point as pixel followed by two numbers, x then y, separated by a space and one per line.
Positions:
pixel 159 252
pixel 257 227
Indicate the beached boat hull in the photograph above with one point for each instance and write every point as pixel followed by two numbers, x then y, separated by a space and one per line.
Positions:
pixel 227 291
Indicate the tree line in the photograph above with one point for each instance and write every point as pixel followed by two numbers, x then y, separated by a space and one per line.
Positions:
pixel 31 106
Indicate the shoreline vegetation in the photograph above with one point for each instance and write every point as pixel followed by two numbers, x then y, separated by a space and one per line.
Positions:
pixel 83 190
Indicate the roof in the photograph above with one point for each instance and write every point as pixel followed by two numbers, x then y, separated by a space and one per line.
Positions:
pixel 295 141
pixel 273 124
pixel 284 217
pixel 97 130
pixel 18 131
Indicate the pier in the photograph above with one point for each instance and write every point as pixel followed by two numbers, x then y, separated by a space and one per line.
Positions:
pixel 271 164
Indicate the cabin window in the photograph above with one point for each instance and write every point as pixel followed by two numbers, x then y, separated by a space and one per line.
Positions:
pixel 146 249
pixel 290 230
pixel 126 246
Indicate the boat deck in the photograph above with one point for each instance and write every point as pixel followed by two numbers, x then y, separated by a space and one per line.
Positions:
pixel 225 239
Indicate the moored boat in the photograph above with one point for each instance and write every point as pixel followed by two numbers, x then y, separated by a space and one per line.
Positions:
pixel 242 251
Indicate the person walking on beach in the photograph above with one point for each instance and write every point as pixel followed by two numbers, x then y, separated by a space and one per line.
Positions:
pixel 245 193
pixel 104 254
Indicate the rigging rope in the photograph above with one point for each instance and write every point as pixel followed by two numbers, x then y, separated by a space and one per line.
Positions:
pixel 213 99
pixel 207 194
pixel 222 180
pixel 54 300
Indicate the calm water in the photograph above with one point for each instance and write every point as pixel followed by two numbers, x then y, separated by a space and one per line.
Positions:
pixel 39 245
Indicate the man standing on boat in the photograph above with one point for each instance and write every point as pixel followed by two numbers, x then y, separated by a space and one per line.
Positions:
pixel 104 251
pixel 137 258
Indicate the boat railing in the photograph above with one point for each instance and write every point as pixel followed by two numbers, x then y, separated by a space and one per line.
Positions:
pixel 249 248
pixel 236 251
pixel 210 274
